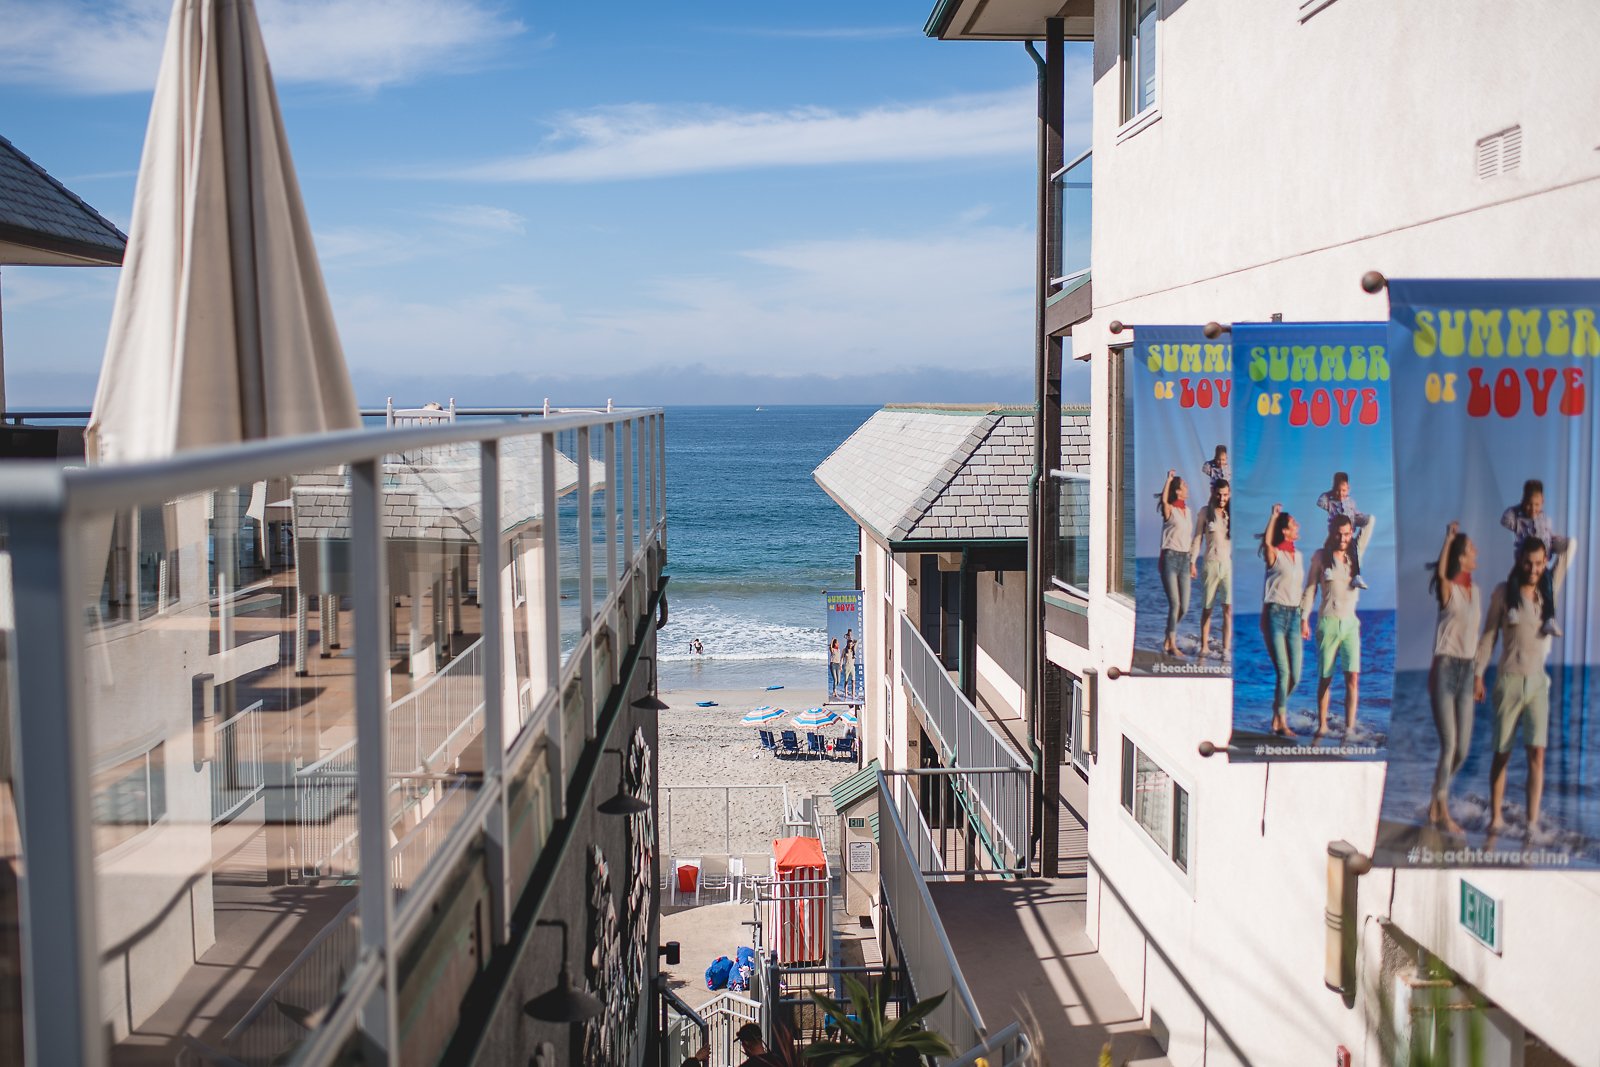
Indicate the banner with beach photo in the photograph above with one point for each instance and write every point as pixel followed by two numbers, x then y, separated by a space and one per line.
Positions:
pixel 1180 383
pixel 1312 519
pixel 1492 758
pixel 847 666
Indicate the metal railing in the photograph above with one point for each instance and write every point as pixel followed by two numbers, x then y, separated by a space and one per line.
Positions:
pixel 1072 532
pixel 429 726
pixel 62 661
pixel 1072 189
pixel 326 826
pixel 276 1021
pixel 989 776
pixel 237 774
pixel 724 1014
pixel 918 933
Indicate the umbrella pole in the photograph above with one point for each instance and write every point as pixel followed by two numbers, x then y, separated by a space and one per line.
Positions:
pixel 240 185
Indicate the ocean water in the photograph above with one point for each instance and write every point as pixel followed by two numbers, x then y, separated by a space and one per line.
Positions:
pixel 1150 627
pixel 1570 820
pixel 1255 680
pixel 752 544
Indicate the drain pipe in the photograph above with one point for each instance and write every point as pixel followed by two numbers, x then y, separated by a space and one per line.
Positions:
pixel 1035 590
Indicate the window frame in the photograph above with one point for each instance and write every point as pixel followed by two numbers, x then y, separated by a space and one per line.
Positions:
pixel 1131 53
pixel 1179 852
pixel 1120 520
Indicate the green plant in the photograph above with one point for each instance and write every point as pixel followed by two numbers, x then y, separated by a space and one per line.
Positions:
pixel 871 1039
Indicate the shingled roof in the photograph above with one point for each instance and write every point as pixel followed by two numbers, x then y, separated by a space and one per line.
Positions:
pixel 42 222
pixel 945 473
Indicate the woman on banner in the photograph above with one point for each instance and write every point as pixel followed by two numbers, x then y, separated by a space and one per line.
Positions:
pixel 1280 610
pixel 1332 573
pixel 1177 560
pixel 1453 686
pixel 1521 686
pixel 1214 528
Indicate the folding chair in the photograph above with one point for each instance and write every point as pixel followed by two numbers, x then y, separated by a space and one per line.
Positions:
pixel 790 743
pixel 714 874
pixel 815 745
pixel 768 742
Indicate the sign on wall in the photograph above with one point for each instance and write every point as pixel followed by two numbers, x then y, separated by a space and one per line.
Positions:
pixel 1311 511
pixel 1181 385
pixel 847 668
pixel 1492 758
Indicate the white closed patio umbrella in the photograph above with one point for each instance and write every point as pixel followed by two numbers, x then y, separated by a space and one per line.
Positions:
pixel 222 329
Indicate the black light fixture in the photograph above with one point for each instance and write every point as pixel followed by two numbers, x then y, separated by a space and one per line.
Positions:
pixel 565 1003
pixel 623 803
pixel 650 701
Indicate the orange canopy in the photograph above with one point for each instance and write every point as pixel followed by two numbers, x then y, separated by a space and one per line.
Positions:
pixel 793 852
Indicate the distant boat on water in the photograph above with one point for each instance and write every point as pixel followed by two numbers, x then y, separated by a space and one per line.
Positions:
pixel 759 408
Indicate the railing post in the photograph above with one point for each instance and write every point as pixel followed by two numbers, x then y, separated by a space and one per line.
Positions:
pixel 586 580
pixel 492 650
pixel 613 514
pixel 552 614
pixel 378 1018
pixel 60 951
pixel 625 431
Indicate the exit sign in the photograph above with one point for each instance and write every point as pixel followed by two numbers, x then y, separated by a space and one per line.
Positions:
pixel 1481 914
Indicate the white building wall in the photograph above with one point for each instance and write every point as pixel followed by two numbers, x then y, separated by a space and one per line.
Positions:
pixel 885 594
pixel 1289 158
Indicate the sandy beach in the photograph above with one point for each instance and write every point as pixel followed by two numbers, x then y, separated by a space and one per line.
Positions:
pixel 708 747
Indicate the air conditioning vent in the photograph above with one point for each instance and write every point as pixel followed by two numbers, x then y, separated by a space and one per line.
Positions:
pixel 1499 153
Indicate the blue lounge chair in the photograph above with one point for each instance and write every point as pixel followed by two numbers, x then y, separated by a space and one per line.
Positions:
pixel 816 745
pixel 768 742
pixel 788 744
pixel 845 748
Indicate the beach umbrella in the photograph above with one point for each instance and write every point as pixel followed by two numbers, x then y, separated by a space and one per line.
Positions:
pixel 222 329
pixel 847 716
pixel 813 717
pixel 766 713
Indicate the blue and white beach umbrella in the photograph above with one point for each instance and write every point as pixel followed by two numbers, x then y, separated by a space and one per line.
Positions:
pixel 847 716
pixel 816 717
pixel 765 713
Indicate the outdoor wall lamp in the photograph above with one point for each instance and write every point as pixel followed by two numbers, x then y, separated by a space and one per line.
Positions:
pixel 565 1003
pixel 1345 865
pixel 650 701
pixel 623 803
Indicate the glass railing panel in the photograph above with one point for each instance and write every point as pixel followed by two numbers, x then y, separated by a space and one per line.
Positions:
pixel 433 531
pixel 11 973
pixel 219 664
pixel 1074 194
pixel 1072 532
pixel 525 577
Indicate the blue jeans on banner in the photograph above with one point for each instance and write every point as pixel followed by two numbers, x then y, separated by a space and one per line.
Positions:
pixel 1175 567
pixel 1451 686
pixel 1280 625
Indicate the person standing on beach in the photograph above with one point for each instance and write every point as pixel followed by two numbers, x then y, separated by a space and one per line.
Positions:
pixel 834 666
pixel 1280 611
pixel 1214 528
pixel 847 666
pixel 1521 686
pixel 1338 627
pixel 1177 559
pixel 1453 685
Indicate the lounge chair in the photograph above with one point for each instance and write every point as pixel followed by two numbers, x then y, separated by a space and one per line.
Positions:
pixel 816 745
pixel 714 874
pixel 845 748
pixel 788 743
pixel 768 742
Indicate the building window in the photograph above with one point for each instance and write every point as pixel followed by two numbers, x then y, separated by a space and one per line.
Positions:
pixel 1158 804
pixel 1119 480
pixel 1138 57
pixel 1074 726
pixel 129 797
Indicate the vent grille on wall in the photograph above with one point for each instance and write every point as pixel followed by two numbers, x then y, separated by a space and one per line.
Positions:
pixel 1500 153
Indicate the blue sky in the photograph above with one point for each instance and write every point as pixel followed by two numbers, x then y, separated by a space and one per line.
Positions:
pixel 710 202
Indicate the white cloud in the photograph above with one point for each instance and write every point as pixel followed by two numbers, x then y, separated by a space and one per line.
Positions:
pixel 80 46
pixel 958 299
pixel 650 141
pixel 823 33
pixel 480 217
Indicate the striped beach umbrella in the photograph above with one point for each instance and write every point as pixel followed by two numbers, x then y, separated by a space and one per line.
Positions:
pixel 847 716
pixel 765 713
pixel 816 717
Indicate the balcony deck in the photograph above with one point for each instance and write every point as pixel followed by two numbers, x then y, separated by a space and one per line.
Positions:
pixel 1024 951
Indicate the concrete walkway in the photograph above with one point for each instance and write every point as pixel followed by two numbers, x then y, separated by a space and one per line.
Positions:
pixel 1025 955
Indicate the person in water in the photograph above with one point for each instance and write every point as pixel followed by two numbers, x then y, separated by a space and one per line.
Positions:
pixel 1280 611
pixel 1528 518
pixel 1338 626
pixel 1521 694
pixel 1453 686
pixel 1338 502
pixel 1214 528
pixel 1177 559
